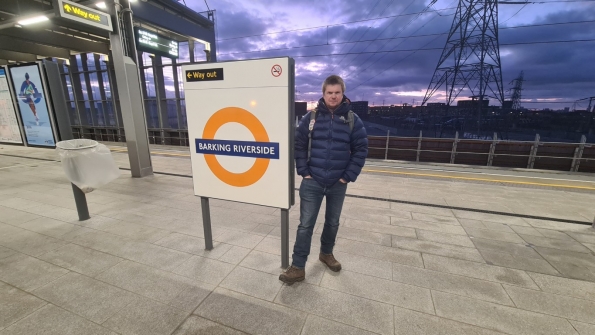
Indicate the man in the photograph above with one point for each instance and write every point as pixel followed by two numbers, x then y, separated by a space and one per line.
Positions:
pixel 330 151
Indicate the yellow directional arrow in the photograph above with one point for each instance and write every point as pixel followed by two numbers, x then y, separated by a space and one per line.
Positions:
pixel 189 75
pixel 68 8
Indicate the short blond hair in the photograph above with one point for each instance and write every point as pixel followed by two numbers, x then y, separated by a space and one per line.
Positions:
pixel 333 80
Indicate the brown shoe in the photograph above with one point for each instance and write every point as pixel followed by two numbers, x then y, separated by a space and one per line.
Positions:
pixel 292 275
pixel 330 261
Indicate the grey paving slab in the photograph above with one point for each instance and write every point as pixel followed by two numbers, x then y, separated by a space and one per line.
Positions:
pixel 341 307
pixel 436 248
pixel 583 328
pixel 380 252
pixel 5 252
pixel 263 229
pixel 195 325
pixel 555 244
pixel 460 285
pixel 494 235
pixel 367 217
pixel 28 273
pixel 380 228
pixel 518 262
pixel 362 235
pixel 564 286
pixel 80 259
pixel 204 269
pixel 478 271
pixel 505 219
pixel 253 283
pixel 552 304
pixel 50 227
pixel 365 265
pixel 454 239
pixel 251 315
pixel 85 296
pixel 135 231
pixel 15 217
pixel 16 304
pixel 374 210
pixel 193 245
pixel 554 234
pixel 585 238
pixel 422 209
pixel 156 284
pixel 383 290
pixel 141 252
pixel 570 264
pixel 521 230
pixel 469 223
pixel 409 322
pixel 497 317
pixel 27 242
pixel 319 326
pixel 235 255
pixel 240 239
pixel 52 320
pixel 145 316
pixel 432 226
pixel 515 249
pixel 436 218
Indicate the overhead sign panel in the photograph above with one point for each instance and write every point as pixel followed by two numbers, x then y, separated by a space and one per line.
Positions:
pixel 149 41
pixel 241 127
pixel 83 14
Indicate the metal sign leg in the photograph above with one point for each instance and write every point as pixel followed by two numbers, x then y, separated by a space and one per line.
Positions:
pixel 206 222
pixel 81 203
pixel 284 238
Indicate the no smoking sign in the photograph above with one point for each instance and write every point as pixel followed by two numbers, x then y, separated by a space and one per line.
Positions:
pixel 276 70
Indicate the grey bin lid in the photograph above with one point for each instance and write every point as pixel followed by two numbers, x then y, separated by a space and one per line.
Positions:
pixel 76 144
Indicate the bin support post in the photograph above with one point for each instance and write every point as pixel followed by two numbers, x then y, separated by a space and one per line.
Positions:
pixel 284 238
pixel 206 222
pixel 81 203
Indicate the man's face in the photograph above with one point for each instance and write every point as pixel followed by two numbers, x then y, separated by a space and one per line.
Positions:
pixel 333 94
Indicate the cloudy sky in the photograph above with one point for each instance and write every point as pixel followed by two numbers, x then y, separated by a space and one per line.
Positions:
pixel 387 50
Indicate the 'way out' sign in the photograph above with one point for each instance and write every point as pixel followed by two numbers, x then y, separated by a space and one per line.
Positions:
pixel 241 125
pixel 83 14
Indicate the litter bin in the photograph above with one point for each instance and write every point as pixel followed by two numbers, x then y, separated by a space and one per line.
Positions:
pixel 87 163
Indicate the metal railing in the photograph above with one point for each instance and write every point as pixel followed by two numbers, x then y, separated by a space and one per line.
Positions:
pixel 574 157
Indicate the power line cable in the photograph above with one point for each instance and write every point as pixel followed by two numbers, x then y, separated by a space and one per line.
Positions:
pixel 385 28
pixel 428 49
pixel 377 2
pixel 329 25
pixel 395 38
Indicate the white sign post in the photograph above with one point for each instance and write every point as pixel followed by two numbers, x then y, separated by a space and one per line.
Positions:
pixel 241 127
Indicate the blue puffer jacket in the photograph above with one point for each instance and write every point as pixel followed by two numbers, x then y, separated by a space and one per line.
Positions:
pixel 337 152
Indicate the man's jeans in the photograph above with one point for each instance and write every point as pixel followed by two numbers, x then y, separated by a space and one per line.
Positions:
pixel 311 194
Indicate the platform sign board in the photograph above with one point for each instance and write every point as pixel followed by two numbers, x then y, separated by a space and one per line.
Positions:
pixel 10 131
pixel 240 124
pixel 154 43
pixel 83 14
pixel 34 108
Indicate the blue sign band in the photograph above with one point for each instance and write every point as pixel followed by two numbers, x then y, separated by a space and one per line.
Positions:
pixel 268 150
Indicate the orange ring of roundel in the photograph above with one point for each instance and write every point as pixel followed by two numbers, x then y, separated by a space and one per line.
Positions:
pixel 248 120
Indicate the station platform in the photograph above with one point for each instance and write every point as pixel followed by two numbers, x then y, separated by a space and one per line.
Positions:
pixel 426 249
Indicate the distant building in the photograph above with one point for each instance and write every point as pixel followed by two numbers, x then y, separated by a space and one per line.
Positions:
pixel 301 108
pixel 360 108
pixel 472 103
pixel 435 104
